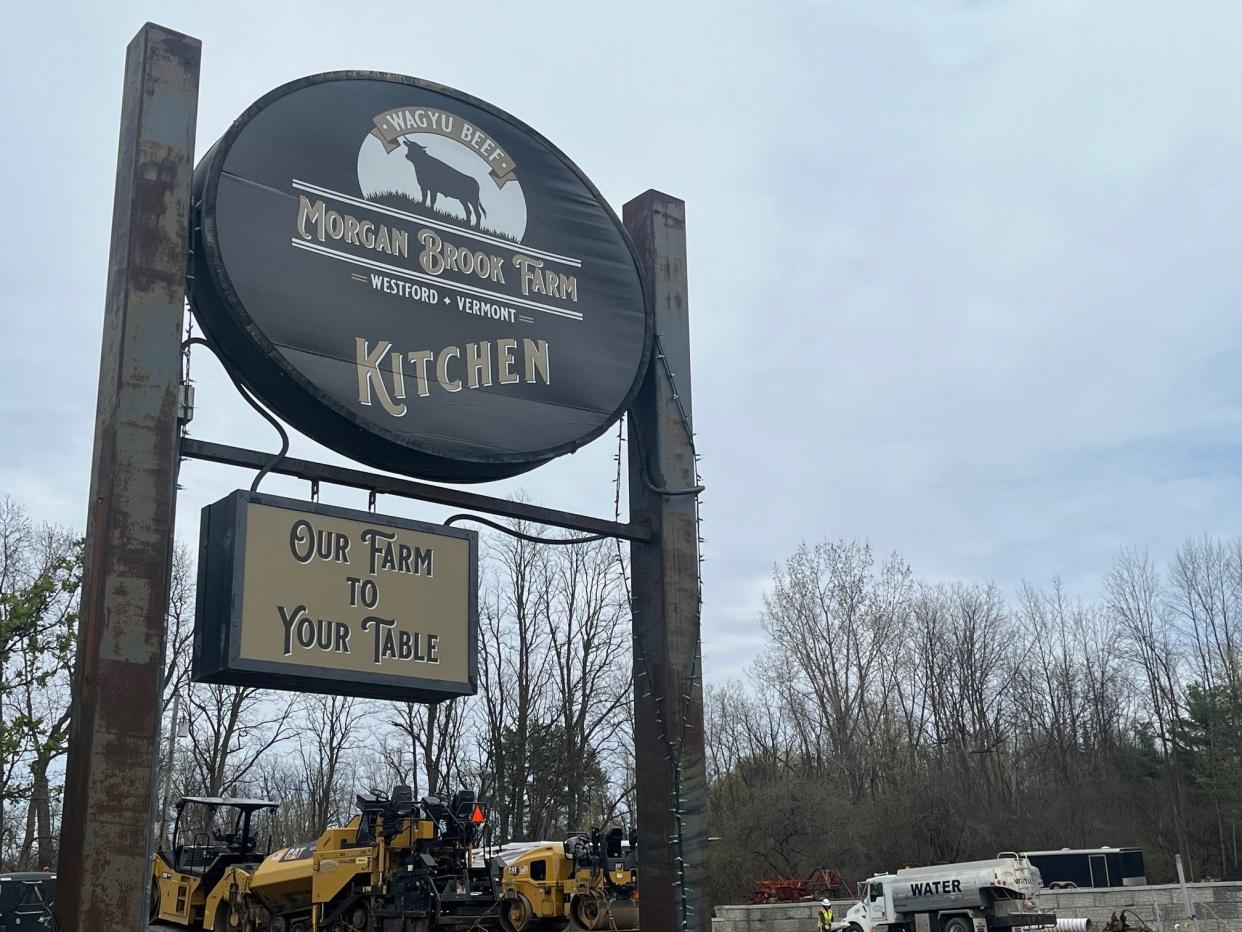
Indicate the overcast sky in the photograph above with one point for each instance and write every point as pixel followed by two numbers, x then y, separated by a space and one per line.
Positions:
pixel 965 276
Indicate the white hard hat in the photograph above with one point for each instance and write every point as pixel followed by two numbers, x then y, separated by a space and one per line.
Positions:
pixel 825 902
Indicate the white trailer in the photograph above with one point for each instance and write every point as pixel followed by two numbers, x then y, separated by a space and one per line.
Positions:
pixel 974 896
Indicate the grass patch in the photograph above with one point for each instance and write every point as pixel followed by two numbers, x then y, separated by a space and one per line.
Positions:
pixel 398 200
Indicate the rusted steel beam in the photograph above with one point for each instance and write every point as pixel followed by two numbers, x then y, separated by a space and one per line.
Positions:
pixel 410 488
pixel 668 676
pixel 109 800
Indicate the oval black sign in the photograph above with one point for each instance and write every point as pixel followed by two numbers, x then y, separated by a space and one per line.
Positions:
pixel 416 279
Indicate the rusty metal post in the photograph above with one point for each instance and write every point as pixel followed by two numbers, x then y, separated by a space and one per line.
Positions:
pixel 668 681
pixel 109 787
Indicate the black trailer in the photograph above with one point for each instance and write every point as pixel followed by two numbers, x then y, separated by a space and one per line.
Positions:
pixel 1090 867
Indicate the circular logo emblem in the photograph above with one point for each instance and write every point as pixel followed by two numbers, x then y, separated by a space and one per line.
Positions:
pixel 416 279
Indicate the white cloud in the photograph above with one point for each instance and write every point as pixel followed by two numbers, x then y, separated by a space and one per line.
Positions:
pixel 963 274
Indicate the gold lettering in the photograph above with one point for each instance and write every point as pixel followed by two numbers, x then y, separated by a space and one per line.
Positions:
pixel 398 376
pixel 479 361
pixel 369 377
pixel 420 358
pixel 504 350
pixel 312 213
pixel 536 352
pixel 442 361
pixel 430 258
pixel 532 278
pixel 336 225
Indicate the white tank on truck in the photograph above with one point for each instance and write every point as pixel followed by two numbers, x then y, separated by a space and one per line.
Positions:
pixel 973 896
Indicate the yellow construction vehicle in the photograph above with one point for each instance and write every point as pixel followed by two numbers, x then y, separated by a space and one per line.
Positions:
pixel 398 866
pixel 586 882
pixel 222 834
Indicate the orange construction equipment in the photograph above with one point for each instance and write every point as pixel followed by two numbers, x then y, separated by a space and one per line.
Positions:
pixel 825 881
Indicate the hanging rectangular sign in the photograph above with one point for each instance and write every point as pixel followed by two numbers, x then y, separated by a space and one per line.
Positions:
pixel 301 596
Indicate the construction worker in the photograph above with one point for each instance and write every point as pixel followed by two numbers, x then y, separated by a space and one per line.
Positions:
pixel 825 915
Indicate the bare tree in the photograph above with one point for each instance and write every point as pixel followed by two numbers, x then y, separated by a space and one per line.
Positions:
pixel 431 741
pixel 179 624
pixel 1205 597
pixel 832 620
pixel 282 779
pixel 178 644
pixel 589 645
pixel 1072 699
pixel 326 740
pixel 513 669
pixel 231 729
pixel 1137 600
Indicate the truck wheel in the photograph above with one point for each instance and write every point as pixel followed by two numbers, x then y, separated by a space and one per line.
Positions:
pixel 855 927
pixel 155 900
pixel 515 913
pixel 959 924
pixel 588 912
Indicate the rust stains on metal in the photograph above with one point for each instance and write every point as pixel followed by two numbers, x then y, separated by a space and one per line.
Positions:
pixel 109 798
pixel 668 683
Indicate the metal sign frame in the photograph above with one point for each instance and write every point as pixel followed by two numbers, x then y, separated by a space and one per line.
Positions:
pixel 114 747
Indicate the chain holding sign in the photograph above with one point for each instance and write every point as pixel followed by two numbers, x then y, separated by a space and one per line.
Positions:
pixel 293 595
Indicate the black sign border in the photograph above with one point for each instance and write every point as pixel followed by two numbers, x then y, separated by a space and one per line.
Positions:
pixel 218 607
pixel 393 451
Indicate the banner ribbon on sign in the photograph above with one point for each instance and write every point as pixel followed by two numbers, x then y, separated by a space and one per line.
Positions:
pixel 391 125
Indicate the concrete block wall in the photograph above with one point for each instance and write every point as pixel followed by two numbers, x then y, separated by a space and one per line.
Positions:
pixel 1218 905
pixel 766 917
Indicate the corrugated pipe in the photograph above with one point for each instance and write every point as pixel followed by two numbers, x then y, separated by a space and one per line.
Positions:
pixel 1075 925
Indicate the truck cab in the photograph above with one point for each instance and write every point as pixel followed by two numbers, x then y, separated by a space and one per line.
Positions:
pixel 875 905
pixel 210 835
